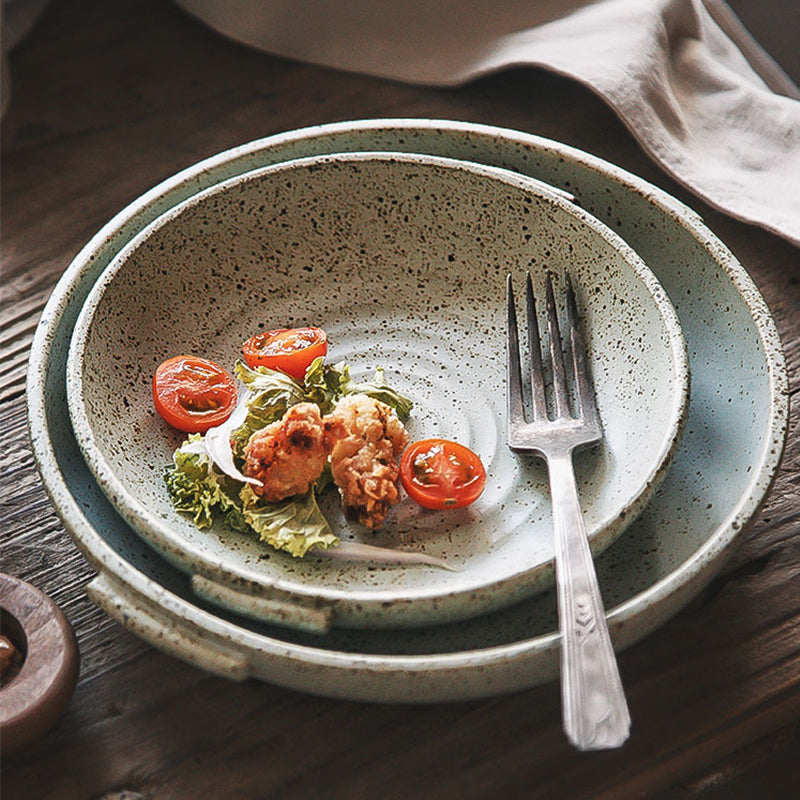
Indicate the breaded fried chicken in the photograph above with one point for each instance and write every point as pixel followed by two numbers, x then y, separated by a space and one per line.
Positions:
pixel 289 455
pixel 368 440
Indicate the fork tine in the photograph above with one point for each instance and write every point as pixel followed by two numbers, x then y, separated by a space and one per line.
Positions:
pixel 538 399
pixel 587 403
pixel 516 414
pixel 560 391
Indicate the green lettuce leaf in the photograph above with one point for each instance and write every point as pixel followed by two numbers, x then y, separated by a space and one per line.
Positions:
pixel 198 490
pixel 294 525
pixel 270 393
pixel 195 487
pixel 378 389
pixel 323 384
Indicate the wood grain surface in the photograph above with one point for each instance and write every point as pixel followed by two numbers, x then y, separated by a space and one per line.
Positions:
pixel 108 99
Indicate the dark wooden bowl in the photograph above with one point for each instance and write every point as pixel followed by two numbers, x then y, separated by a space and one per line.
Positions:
pixel 40 685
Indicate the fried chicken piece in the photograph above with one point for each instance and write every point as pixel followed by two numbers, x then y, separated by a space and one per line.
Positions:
pixel 368 440
pixel 289 455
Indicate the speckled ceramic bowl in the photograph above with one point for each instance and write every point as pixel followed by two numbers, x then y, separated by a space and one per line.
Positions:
pixel 724 467
pixel 402 259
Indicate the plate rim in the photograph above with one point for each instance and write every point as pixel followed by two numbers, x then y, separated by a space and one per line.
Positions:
pixel 666 591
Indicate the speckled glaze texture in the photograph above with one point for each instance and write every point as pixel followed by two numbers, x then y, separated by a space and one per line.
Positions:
pixel 738 402
pixel 402 259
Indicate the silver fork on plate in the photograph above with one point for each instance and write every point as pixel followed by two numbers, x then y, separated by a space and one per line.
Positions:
pixel 593 702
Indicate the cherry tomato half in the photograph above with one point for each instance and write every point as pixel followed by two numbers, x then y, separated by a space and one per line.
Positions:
pixel 441 474
pixel 289 350
pixel 193 394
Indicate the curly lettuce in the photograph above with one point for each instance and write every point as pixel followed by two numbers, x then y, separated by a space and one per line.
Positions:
pixel 199 491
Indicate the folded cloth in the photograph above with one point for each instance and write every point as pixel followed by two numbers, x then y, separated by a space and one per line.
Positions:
pixel 702 98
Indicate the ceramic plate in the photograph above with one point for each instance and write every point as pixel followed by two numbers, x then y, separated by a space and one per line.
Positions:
pixel 725 463
pixel 402 259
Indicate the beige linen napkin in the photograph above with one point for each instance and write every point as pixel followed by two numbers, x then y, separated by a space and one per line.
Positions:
pixel 692 86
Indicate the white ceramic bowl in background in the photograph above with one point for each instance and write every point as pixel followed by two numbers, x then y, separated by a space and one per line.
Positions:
pixel 402 259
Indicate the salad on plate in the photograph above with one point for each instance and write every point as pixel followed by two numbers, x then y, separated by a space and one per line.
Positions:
pixel 265 441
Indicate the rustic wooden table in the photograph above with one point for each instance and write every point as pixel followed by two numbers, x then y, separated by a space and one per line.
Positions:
pixel 108 100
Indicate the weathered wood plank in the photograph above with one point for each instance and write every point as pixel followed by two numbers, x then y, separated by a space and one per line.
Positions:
pixel 138 91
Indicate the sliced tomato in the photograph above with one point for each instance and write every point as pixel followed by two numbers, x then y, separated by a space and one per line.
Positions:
pixel 441 474
pixel 193 394
pixel 289 350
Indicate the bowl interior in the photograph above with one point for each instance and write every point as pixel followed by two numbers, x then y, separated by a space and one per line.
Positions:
pixel 402 259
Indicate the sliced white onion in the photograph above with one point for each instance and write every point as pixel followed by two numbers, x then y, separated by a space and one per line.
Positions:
pixel 218 441
pixel 195 448
pixel 355 551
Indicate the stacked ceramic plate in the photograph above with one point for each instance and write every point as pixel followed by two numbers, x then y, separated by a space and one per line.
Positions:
pixel 396 237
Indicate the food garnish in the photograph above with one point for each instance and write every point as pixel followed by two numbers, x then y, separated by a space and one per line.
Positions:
pixel 441 474
pixel 288 350
pixel 263 467
pixel 193 394
pixel 298 427
pixel 369 553
pixel 217 443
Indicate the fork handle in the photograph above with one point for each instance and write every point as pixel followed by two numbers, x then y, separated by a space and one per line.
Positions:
pixel 594 707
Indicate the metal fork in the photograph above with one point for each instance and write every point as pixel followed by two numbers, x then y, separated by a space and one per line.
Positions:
pixel 593 702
